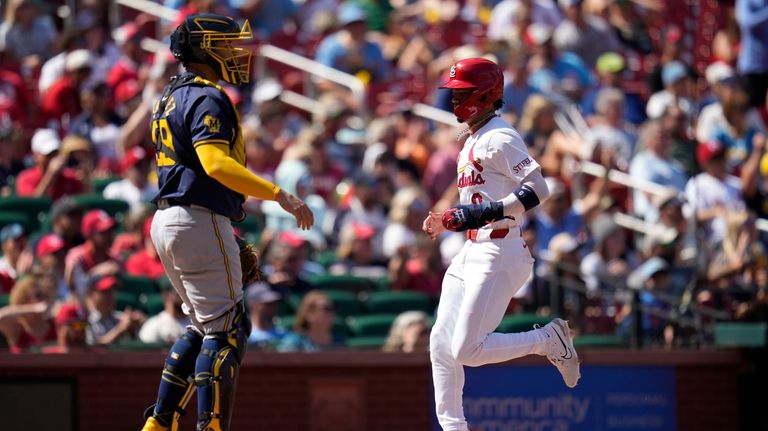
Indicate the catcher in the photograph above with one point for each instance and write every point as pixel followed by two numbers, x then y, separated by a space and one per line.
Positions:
pixel 203 183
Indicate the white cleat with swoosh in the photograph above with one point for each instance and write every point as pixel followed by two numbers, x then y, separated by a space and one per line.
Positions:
pixel 560 351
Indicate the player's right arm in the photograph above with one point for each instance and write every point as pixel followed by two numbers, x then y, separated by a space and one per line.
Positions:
pixel 217 163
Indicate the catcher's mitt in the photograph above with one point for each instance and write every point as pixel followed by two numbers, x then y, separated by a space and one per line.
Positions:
pixel 249 261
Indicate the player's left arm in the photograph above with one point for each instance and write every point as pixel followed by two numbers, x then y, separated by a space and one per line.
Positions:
pixel 506 153
pixel 527 196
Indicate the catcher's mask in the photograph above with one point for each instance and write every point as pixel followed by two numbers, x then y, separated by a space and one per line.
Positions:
pixel 482 75
pixel 211 39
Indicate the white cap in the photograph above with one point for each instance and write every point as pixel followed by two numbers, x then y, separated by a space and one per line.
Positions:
pixel 78 59
pixel 45 141
pixel 267 89
pixel 718 71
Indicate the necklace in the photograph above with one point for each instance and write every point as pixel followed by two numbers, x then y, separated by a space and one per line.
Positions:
pixel 480 120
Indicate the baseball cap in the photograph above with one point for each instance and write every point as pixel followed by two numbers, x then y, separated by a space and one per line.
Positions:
pixel 65 205
pixel 718 71
pixel 98 221
pixel 363 231
pixel 45 141
pixel 260 293
pixel 132 157
pixel 69 313
pixel 72 143
pixel 351 13
pixel 603 226
pixel 673 72
pixel 49 244
pixel 126 91
pixel 538 34
pixel 78 59
pixel 610 62
pixel 709 150
pixel 672 34
pixel 562 243
pixel 290 238
pixel 104 283
pixel 12 231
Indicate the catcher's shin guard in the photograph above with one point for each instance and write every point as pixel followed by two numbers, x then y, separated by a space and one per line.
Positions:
pixel 216 374
pixel 176 384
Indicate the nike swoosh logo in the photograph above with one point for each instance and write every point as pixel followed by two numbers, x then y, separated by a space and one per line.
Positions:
pixel 568 354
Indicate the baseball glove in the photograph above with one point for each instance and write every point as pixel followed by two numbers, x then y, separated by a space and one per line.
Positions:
pixel 249 261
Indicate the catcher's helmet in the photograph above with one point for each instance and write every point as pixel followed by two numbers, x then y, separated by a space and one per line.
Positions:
pixel 485 77
pixel 207 38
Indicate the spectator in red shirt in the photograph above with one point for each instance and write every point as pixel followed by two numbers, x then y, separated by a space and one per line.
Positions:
pixel 145 262
pixel 61 103
pixel 49 176
pixel 93 257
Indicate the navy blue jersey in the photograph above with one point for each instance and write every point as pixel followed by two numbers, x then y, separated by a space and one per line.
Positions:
pixel 197 112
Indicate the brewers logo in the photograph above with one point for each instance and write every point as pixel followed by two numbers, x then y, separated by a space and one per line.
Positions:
pixel 212 123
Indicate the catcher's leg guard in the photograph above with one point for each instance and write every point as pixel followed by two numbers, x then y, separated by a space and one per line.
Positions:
pixel 176 384
pixel 216 374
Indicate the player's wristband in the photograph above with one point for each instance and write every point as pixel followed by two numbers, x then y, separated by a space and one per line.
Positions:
pixel 473 216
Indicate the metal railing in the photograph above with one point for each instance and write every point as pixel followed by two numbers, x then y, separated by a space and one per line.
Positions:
pixel 310 67
pixel 563 276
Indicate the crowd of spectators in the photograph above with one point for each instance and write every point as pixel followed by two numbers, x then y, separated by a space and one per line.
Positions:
pixel 630 85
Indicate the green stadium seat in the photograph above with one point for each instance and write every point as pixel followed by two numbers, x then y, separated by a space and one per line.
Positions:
pixel 114 207
pixel 127 299
pixel 10 217
pixel 346 282
pixel 366 343
pixel 326 258
pixel 740 334
pixel 596 341
pixel 35 208
pixel 366 325
pixel 522 322
pixel 395 302
pixel 136 345
pixel 5 300
pixel 151 304
pixel 99 184
pixel 383 283
pixel 345 303
pixel 138 285
pixel 250 225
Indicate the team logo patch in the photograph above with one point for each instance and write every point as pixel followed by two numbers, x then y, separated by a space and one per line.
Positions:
pixel 212 123
pixel 453 71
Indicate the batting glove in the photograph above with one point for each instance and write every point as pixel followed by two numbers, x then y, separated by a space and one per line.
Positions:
pixel 473 216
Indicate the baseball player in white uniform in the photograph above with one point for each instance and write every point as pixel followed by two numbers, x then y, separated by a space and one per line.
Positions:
pixel 498 181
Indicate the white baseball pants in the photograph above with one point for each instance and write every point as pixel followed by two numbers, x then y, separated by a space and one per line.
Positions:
pixel 477 288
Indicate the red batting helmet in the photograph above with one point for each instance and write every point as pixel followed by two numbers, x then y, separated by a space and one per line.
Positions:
pixel 484 76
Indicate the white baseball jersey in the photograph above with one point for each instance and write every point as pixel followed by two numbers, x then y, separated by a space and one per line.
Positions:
pixel 492 164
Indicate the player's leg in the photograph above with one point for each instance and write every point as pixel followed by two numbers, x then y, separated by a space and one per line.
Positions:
pixel 176 383
pixel 498 271
pixel 212 279
pixel 447 373
pixel 217 370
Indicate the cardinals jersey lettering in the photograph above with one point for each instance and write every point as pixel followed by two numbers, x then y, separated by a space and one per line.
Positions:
pixel 493 162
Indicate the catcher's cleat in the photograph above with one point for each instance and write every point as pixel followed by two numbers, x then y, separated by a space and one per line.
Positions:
pixel 153 425
pixel 560 351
